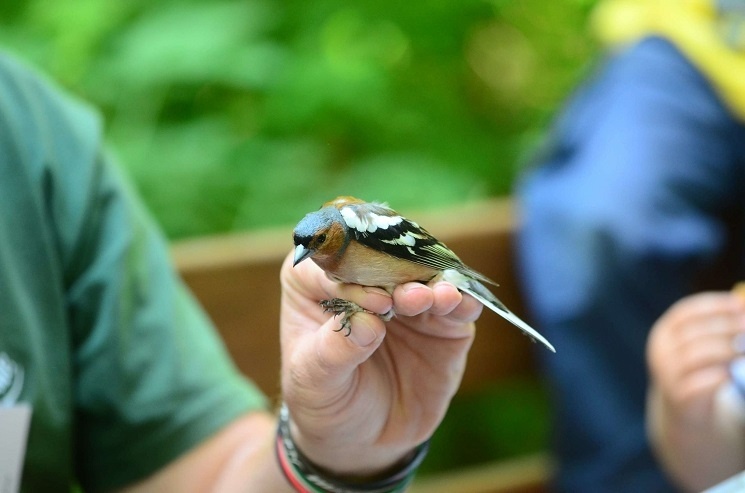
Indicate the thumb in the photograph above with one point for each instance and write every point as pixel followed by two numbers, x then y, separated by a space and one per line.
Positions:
pixel 337 355
pixel 342 351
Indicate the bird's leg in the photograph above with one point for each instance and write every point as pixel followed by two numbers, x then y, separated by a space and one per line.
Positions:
pixel 338 306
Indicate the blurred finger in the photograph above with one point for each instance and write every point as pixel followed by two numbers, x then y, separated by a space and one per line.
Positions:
pixel 698 389
pixel 695 358
pixel 695 332
pixel 703 305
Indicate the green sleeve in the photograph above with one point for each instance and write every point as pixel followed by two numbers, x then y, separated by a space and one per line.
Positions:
pixel 124 370
pixel 152 377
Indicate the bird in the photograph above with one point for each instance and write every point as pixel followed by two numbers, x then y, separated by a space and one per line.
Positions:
pixel 370 244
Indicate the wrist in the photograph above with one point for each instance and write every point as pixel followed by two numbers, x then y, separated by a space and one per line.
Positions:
pixel 348 455
pixel 307 477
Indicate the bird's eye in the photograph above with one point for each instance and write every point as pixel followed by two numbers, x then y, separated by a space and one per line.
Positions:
pixel 321 238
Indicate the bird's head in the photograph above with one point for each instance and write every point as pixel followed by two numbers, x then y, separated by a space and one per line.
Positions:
pixel 319 234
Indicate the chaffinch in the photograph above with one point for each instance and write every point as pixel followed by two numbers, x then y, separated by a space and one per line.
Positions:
pixel 370 244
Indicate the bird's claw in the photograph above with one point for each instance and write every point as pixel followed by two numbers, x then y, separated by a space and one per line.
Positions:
pixel 339 306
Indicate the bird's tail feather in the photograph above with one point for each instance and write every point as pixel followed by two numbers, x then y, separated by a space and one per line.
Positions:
pixel 481 293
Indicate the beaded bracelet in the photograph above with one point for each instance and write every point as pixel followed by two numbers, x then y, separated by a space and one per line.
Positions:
pixel 306 478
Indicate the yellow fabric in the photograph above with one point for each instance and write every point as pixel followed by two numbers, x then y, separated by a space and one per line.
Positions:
pixel 712 38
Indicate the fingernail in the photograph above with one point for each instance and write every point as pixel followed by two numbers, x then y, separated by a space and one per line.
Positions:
pixel 375 290
pixel 362 333
pixel 413 286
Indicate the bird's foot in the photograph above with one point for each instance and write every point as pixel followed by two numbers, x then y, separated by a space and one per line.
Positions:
pixel 339 306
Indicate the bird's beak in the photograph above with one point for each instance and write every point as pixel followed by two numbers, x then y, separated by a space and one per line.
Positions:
pixel 301 253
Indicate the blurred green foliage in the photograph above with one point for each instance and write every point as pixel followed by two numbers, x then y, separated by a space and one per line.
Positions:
pixel 242 114
pixel 510 419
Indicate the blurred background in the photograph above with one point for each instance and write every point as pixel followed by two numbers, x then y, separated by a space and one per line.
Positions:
pixel 234 115
pixel 237 115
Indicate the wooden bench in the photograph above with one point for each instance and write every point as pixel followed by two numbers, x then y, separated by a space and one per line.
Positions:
pixel 236 278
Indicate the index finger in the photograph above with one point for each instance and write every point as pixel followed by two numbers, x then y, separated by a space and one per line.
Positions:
pixel 311 282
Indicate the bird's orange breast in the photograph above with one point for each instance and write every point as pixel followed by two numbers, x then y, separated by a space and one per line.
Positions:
pixel 368 267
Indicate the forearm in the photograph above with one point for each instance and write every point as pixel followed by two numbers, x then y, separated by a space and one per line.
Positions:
pixel 697 455
pixel 240 458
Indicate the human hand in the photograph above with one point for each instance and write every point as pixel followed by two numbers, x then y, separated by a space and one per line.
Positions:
pixel 691 427
pixel 360 404
pixel 689 352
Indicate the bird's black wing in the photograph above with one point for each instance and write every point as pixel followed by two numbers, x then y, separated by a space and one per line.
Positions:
pixel 379 227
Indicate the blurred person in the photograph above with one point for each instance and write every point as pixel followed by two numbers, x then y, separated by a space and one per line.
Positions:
pixel 637 195
pixel 130 389
pixel 696 417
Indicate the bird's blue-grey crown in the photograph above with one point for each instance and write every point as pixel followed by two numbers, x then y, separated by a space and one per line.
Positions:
pixel 314 222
